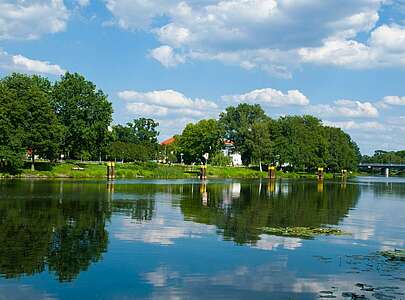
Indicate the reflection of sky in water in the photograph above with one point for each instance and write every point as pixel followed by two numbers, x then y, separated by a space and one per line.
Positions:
pixel 167 257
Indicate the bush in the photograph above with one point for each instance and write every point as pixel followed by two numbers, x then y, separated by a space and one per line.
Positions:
pixel 221 160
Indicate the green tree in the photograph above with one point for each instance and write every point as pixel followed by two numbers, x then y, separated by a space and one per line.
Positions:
pixel 11 148
pixel 202 137
pixel 259 141
pixel 300 142
pixel 343 153
pixel 145 130
pixel 86 114
pixel 32 118
pixel 237 123
pixel 43 131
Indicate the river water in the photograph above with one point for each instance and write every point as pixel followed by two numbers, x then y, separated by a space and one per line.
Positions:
pixel 183 239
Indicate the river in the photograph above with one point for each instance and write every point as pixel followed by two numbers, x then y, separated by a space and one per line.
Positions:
pixel 184 239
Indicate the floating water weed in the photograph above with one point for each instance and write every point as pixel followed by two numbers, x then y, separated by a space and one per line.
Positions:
pixel 303 232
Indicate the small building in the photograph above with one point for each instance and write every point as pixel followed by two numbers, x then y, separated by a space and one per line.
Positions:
pixel 229 150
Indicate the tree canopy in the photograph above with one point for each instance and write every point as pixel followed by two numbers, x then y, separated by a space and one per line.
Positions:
pixel 200 138
pixel 86 114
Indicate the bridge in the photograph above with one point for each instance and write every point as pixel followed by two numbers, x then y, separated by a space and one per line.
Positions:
pixel 384 167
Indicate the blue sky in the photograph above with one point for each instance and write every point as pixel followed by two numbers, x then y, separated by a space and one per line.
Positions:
pixel 179 61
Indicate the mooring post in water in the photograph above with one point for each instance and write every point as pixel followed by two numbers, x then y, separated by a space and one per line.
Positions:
pixel 110 170
pixel 320 174
pixel 344 174
pixel 320 186
pixel 203 172
pixel 271 188
pixel 272 172
pixel 204 194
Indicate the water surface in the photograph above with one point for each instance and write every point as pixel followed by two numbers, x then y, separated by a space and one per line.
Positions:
pixel 183 239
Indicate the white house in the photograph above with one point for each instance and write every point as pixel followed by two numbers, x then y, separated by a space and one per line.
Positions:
pixel 229 150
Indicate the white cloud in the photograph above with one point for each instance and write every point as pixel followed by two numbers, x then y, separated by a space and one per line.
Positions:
pixel 272 35
pixel 21 63
pixel 347 125
pixel 340 53
pixel 166 56
pixel 345 108
pixel 30 19
pixel 271 97
pixel 394 100
pixel 83 3
pixel 386 47
pixel 137 14
pixel 166 98
pixel 147 109
pixel 169 105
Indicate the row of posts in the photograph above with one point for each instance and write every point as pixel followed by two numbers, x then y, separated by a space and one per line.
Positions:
pixel 203 172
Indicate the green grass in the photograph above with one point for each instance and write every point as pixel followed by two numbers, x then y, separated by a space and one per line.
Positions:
pixel 144 170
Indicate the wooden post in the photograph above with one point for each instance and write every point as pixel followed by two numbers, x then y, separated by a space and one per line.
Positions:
pixel 272 172
pixel 344 174
pixel 203 172
pixel 320 174
pixel 271 188
pixel 320 186
pixel 112 170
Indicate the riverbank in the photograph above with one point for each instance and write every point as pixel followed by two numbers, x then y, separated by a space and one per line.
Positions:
pixel 144 170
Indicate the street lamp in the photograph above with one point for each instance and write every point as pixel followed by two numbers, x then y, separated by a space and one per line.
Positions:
pixel 181 158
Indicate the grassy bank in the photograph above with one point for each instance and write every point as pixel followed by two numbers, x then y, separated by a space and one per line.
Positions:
pixel 143 170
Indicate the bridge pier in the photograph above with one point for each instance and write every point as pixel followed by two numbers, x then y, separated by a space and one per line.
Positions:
pixel 386 172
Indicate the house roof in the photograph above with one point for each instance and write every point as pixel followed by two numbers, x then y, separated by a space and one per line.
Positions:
pixel 168 141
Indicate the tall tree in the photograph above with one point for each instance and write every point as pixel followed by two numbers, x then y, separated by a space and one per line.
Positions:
pixel 259 140
pixel 238 122
pixel 86 114
pixel 202 137
pixel 32 118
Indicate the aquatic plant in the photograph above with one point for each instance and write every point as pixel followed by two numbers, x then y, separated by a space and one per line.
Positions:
pixel 303 232
pixel 397 254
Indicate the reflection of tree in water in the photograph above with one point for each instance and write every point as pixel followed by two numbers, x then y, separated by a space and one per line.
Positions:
pixel 396 189
pixel 240 212
pixel 58 225
pixel 136 201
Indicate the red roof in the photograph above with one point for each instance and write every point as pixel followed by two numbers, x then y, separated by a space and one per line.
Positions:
pixel 168 141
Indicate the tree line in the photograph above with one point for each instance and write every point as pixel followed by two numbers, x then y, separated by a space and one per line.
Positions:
pixel 385 157
pixel 71 118
pixel 300 143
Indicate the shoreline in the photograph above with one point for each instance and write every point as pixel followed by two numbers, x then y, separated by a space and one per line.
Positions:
pixel 150 171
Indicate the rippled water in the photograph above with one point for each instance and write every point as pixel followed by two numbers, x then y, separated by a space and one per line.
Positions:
pixel 180 239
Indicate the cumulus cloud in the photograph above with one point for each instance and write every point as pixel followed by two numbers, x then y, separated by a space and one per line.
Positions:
pixel 394 100
pixel 30 19
pixel 21 63
pixel 275 36
pixel 385 47
pixel 345 108
pixel 166 56
pixel 169 104
pixel 271 97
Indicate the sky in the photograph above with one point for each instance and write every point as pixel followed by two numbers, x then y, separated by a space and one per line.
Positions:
pixel 179 61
